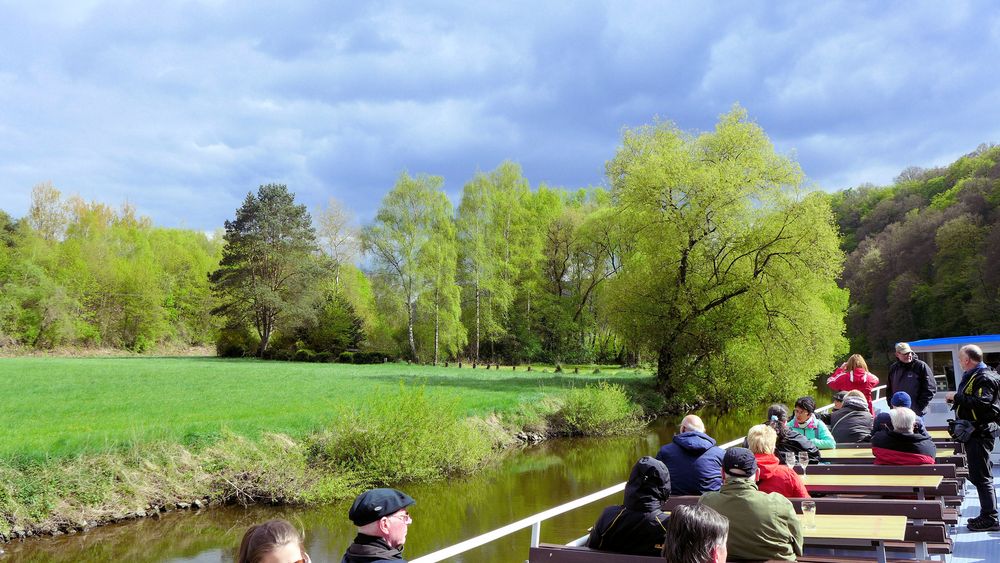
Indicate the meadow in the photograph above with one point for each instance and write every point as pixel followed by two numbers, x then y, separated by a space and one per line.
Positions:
pixel 56 407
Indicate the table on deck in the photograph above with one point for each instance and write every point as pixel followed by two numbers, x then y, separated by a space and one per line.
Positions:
pixel 868 484
pixel 852 529
pixel 862 455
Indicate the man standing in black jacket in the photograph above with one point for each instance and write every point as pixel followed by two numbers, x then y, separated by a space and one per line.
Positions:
pixel 912 375
pixel 975 401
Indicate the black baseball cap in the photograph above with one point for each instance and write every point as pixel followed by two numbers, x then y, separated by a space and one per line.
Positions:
pixel 739 462
pixel 376 503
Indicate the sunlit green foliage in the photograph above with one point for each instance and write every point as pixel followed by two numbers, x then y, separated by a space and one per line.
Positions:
pixel 731 272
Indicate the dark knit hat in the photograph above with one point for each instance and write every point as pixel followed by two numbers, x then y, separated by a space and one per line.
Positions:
pixel 376 503
pixel 900 399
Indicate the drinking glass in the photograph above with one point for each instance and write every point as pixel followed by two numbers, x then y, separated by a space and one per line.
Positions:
pixel 809 514
pixel 804 461
pixel 790 459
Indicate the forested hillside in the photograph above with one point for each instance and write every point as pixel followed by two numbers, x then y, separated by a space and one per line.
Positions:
pixel 923 255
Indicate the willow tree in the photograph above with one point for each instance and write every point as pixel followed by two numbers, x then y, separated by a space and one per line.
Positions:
pixel 730 277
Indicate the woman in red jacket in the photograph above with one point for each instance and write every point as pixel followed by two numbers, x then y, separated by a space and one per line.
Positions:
pixel 772 477
pixel 853 374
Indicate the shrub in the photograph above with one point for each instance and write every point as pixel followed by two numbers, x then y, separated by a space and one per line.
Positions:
pixel 369 357
pixel 346 358
pixel 324 357
pixel 405 436
pixel 305 356
pixel 597 410
pixel 236 343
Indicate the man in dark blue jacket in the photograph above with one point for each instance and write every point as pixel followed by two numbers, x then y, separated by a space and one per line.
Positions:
pixel 693 459
pixel 912 375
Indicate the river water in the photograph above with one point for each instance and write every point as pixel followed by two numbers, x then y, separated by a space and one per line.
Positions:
pixel 523 483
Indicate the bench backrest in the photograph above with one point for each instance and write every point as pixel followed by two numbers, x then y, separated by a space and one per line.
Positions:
pixel 946 470
pixel 912 509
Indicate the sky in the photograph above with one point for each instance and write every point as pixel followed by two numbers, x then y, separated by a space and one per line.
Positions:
pixel 181 108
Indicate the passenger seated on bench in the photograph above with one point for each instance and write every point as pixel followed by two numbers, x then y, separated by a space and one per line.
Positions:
pixel 789 441
pixel 696 534
pixel 638 526
pixel 806 423
pixel 693 459
pixel 853 422
pixel 898 399
pixel 901 446
pixel 761 525
pixel 772 477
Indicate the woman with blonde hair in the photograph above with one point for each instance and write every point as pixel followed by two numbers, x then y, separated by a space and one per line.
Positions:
pixel 854 375
pixel 772 477
pixel 274 541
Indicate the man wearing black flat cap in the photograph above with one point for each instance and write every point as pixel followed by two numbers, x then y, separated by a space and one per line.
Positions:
pixel 761 525
pixel 382 521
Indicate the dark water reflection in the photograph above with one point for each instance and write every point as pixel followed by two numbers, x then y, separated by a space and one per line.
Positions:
pixel 522 484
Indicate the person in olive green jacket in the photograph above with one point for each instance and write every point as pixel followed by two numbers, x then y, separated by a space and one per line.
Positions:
pixel 761 525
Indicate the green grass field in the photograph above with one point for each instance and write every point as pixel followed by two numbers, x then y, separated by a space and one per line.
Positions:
pixel 53 407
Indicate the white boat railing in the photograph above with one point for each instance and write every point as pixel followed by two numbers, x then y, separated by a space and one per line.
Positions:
pixel 535 521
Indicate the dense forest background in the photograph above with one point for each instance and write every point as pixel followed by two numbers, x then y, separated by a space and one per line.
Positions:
pixel 923 255
pixel 513 274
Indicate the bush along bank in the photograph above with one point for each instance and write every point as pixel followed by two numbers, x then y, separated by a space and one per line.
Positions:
pixel 407 437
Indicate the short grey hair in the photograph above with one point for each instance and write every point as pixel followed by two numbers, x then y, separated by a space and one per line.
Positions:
pixel 903 419
pixel 973 352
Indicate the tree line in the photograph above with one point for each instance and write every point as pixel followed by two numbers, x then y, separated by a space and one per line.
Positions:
pixel 704 255
pixel 923 254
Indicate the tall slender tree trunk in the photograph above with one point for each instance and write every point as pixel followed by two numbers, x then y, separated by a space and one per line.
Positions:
pixel 437 326
pixel 477 321
pixel 410 312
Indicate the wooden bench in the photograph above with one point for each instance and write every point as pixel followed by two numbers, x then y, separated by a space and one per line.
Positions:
pixel 553 553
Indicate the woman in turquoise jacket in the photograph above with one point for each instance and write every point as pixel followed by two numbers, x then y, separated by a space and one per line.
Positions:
pixel 805 422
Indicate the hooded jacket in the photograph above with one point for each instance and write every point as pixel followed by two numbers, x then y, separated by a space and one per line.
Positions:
pixel 371 549
pixel 860 379
pixel 773 477
pixel 694 463
pixel 899 448
pixel 851 423
pixel 761 525
pixel 638 526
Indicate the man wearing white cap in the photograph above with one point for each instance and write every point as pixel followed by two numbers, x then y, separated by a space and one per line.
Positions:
pixel 912 375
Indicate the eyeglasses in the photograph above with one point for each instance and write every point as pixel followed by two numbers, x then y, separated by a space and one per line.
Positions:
pixel 404 516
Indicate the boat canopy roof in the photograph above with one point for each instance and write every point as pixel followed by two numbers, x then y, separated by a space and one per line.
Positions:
pixel 988 342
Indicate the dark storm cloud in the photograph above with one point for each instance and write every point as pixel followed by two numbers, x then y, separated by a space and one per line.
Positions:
pixel 183 108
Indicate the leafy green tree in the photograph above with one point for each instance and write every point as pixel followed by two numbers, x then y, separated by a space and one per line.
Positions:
pixel 493 234
pixel 268 268
pixel 730 277
pixel 412 242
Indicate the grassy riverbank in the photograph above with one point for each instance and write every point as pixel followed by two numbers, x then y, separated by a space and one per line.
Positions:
pixel 97 439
